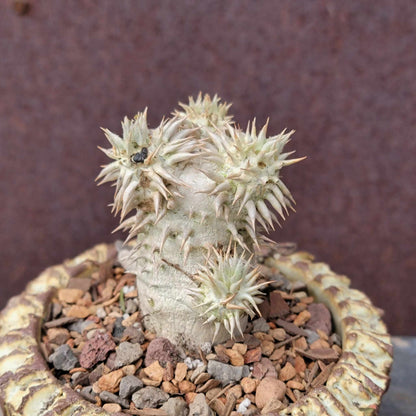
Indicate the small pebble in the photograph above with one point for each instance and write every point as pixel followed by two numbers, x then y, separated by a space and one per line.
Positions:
pixel 112 407
pixel 175 406
pixel 227 373
pixel 127 353
pixel 199 406
pixel 129 385
pixel 269 388
pixel 243 406
pixel 149 397
pixel 63 358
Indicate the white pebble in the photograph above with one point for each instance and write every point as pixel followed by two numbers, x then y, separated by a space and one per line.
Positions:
pixel 196 363
pixel 243 406
pixel 192 364
pixel 128 289
pixel 126 315
pixel 101 313
pixel 188 362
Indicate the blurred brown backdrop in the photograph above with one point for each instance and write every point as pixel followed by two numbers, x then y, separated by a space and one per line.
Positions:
pixel 343 74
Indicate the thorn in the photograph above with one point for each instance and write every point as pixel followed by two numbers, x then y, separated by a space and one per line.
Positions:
pixel 219 201
pixel 239 193
pixel 203 217
pixel 245 199
pixel 225 186
pixel 265 213
pixel 292 161
pixel 185 238
pixel 165 235
pixel 251 210
pixel 156 202
pixel 186 250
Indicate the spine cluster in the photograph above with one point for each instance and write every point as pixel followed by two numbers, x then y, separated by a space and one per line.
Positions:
pixel 195 195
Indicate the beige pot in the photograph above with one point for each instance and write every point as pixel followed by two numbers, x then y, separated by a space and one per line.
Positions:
pixel 354 387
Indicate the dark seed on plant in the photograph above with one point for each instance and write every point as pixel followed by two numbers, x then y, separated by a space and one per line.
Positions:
pixel 141 156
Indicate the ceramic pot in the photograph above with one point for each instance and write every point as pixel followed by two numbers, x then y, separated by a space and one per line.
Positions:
pixel 354 387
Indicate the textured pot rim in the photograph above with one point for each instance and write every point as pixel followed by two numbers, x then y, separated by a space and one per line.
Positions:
pixel 354 387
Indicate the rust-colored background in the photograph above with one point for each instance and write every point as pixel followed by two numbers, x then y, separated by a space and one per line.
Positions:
pixel 342 73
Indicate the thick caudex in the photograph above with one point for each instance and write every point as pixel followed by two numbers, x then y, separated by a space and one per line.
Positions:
pixel 195 195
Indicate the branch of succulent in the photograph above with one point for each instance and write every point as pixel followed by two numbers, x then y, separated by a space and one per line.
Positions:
pixel 196 186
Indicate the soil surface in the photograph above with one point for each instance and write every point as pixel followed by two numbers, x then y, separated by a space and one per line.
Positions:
pixel 95 342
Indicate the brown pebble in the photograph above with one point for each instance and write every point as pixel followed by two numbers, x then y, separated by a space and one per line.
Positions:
pixel 300 365
pixel 322 334
pixel 279 334
pixel 267 347
pixel 76 311
pixel 263 336
pixel 236 390
pixel 169 388
pixel 293 384
pixel 278 354
pixel 251 341
pixel 155 371
pixel 129 370
pixel 202 378
pixel 58 336
pixel 241 348
pixel 169 372
pixel 268 389
pixel 236 358
pixel 302 318
pixel 248 384
pixel 112 407
pixel 300 343
pixel 319 343
pixel 320 318
pixel 189 397
pixel 324 354
pixel 301 306
pixel 210 384
pixel 222 356
pixel 180 371
pixel 111 381
pixel 287 372
pixel 272 407
pixel 186 386
pixel 252 356
pixel 69 295
pixel 278 306
pixel 291 328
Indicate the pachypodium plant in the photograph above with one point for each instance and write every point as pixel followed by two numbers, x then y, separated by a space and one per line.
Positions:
pixel 195 195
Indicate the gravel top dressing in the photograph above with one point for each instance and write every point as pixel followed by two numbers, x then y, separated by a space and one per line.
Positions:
pixel 95 342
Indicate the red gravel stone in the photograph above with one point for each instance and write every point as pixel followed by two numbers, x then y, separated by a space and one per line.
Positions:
pixel 252 356
pixel 96 349
pixel 162 350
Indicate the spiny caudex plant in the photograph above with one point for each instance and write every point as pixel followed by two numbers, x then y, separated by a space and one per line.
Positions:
pixel 195 195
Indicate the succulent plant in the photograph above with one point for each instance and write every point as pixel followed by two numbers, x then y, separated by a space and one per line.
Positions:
pixel 195 195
